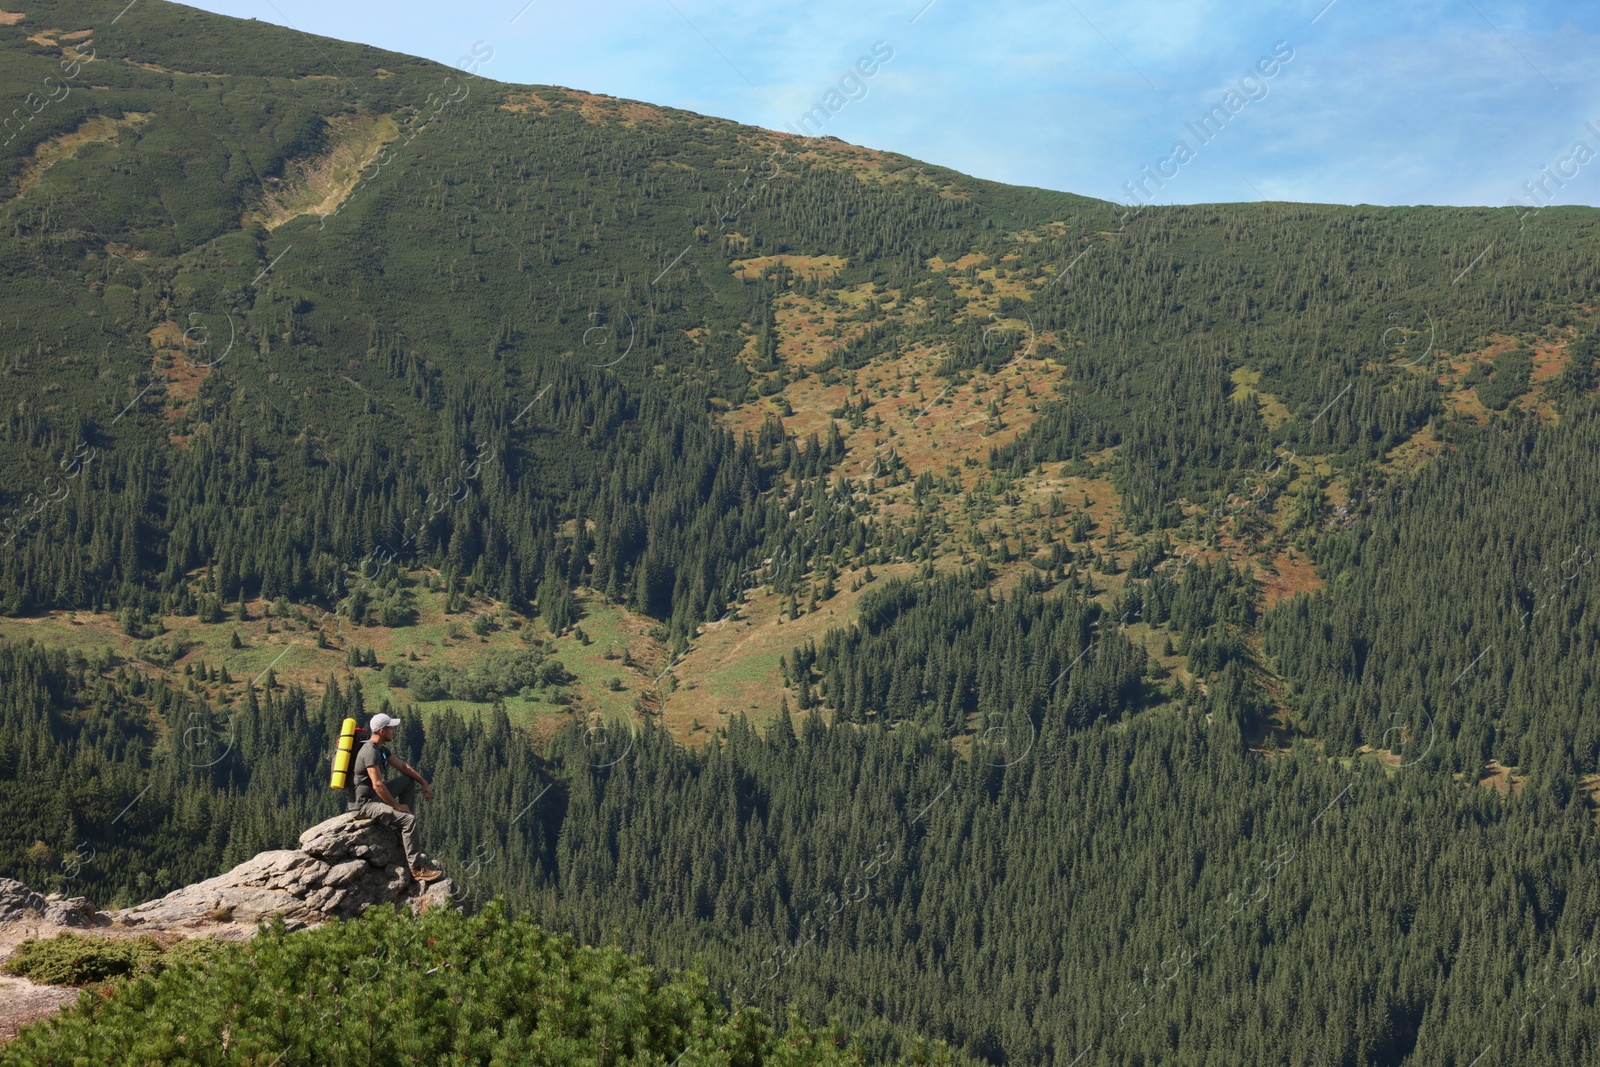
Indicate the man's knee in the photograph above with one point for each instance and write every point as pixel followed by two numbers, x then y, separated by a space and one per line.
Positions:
pixel 383 815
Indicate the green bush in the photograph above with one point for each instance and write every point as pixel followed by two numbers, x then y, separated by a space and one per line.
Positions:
pixel 72 959
pixel 390 989
pixel 163 651
pixel 499 673
pixel 192 951
pixel 395 612
pixel 1512 378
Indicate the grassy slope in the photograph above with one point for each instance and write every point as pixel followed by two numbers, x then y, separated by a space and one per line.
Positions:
pixel 934 424
pixel 732 666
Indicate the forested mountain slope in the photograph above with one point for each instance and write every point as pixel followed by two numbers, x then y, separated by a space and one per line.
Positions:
pixel 1176 624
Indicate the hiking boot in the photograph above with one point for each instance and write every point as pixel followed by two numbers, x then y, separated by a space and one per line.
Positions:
pixel 426 874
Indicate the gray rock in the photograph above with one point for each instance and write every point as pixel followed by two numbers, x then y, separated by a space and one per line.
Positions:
pixel 436 894
pixel 277 869
pixel 347 836
pixel 18 902
pixel 397 879
pixel 318 899
pixel 342 867
pixel 344 872
pixel 73 912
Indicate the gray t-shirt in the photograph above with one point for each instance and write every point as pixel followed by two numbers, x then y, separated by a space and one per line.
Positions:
pixel 372 754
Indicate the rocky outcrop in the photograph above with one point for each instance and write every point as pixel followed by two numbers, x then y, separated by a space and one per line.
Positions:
pixel 18 903
pixel 342 867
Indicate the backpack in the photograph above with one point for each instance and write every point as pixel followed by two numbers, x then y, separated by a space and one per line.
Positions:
pixel 351 738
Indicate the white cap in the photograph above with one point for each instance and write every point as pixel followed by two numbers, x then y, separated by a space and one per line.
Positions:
pixel 381 721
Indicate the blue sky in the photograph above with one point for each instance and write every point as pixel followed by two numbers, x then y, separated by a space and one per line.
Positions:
pixel 1449 102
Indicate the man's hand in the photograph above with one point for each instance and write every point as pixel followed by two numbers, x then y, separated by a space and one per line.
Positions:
pixel 427 791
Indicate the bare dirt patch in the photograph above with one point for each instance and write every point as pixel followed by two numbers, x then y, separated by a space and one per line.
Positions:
pixel 95 128
pixel 528 101
pixel 939 424
pixel 971 259
pixel 808 267
pixel 1273 411
pixel 593 108
pixel 811 328
pixel 153 68
pixel 1549 360
pixel 1414 453
pixel 1501 779
pixel 1291 574
pixel 23 1002
pixel 319 184
pixel 177 360
pixel 1389 759
pixel 982 291
pixel 10 18
pixel 926 421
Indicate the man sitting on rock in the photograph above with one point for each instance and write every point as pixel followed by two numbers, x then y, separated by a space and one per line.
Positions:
pixel 389 803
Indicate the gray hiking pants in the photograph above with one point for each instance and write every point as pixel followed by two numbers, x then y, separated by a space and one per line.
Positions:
pixel 401 788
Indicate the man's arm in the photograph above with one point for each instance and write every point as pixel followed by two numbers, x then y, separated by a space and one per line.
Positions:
pixel 412 773
pixel 383 791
